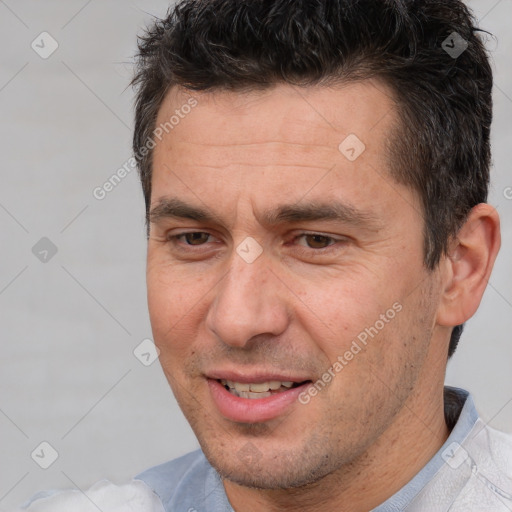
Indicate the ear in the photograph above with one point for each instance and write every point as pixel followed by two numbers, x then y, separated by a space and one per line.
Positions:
pixel 467 267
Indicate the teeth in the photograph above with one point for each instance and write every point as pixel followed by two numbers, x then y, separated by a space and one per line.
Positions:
pixel 249 394
pixel 239 386
pixel 260 388
pixel 256 389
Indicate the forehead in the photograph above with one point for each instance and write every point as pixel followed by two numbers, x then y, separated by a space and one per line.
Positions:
pixel 304 116
pixel 277 145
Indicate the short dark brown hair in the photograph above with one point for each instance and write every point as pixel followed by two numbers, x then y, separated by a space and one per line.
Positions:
pixel 428 52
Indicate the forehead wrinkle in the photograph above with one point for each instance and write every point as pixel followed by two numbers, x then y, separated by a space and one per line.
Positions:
pixel 254 143
pixel 195 154
pixel 257 164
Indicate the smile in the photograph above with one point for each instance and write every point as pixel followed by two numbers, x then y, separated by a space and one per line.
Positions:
pixel 254 402
pixel 257 390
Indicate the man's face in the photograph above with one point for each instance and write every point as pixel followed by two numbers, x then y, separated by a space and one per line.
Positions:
pixel 310 254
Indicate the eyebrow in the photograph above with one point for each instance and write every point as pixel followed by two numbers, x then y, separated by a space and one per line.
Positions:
pixel 173 207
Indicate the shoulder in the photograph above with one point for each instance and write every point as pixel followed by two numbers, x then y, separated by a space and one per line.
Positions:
pixel 477 474
pixel 186 474
pixel 491 451
pixel 134 496
pixel 154 490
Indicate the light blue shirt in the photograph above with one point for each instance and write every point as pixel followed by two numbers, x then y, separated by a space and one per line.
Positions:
pixel 191 484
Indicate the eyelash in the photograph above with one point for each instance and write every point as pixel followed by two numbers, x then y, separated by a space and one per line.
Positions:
pixel 174 239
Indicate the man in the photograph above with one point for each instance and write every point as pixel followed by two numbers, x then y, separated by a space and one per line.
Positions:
pixel 315 176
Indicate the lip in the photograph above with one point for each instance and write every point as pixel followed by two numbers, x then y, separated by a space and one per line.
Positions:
pixel 255 377
pixel 253 410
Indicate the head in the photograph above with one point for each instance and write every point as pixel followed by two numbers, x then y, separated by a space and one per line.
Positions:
pixel 267 98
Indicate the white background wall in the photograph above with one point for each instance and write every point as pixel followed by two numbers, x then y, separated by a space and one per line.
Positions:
pixel 68 326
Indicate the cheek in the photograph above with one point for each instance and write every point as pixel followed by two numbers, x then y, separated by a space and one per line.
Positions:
pixel 343 307
pixel 169 290
pixel 168 304
pixel 177 308
pixel 164 300
pixel 172 336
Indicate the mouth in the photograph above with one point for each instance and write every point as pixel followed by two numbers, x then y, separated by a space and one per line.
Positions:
pixel 255 399
pixel 258 390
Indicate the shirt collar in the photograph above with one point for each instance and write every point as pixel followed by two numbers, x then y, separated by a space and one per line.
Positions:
pixel 459 410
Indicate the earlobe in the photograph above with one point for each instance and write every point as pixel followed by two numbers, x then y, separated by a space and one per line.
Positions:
pixel 468 265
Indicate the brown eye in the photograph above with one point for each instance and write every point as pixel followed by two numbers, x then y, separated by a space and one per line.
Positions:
pixel 318 241
pixel 197 238
pixel 191 238
pixel 318 245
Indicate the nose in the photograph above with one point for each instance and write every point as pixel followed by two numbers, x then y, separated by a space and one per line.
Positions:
pixel 249 302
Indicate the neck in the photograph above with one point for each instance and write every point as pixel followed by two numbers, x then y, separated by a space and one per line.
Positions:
pixel 417 433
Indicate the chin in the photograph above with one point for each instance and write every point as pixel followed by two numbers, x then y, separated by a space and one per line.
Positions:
pixel 274 471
